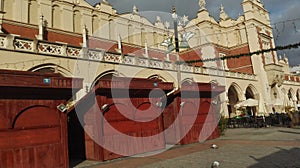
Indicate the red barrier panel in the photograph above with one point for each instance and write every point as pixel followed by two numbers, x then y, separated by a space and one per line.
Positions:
pixel 33 133
pixel 197 116
pixel 123 117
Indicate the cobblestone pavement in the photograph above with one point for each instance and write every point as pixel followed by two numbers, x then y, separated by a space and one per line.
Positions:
pixel 239 148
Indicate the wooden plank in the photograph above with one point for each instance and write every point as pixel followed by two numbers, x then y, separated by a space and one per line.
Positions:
pixel 21 138
pixel 36 80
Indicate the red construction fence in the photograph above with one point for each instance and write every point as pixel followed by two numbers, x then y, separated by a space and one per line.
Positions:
pixel 33 132
pixel 119 112
pixel 119 117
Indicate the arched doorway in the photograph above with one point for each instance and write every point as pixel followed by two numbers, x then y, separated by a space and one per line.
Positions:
pixel 251 94
pixel 233 97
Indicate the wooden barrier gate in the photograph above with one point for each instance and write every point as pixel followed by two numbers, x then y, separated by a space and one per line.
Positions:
pixel 33 132
pixel 196 113
pixel 119 107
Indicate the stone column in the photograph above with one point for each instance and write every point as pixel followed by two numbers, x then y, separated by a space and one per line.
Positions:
pixel 40 36
pixel 84 37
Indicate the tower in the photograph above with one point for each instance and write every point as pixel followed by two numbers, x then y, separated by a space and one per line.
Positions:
pixel 260 37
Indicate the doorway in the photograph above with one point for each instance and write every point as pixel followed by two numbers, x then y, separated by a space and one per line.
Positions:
pixel 76 141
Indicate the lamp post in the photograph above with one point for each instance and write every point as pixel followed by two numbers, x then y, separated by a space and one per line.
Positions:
pixel 168 43
pixel 175 17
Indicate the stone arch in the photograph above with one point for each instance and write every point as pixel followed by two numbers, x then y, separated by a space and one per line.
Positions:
pixel 56 16
pixel 251 92
pixel 214 82
pixel 155 76
pixel 33 17
pixel 238 90
pixel 51 68
pixel 106 75
pixel 77 27
pixel 291 94
pixel 234 94
pixel 187 80
pixel 150 73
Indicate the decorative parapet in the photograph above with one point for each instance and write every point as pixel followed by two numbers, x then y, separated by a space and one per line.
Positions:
pixel 73 51
pixel 154 63
pixel 130 60
pixel 2 41
pixel 144 62
pixel 115 58
pixel 16 43
pixel 292 83
pixel 291 80
pixel 47 48
pixel 23 45
pixel 275 74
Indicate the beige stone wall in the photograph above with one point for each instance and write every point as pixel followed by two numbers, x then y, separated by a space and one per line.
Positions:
pixel 66 18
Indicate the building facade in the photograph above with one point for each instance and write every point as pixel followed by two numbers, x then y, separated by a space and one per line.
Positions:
pixel 75 39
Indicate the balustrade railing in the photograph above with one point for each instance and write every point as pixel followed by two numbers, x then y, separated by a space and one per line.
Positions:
pixel 58 49
pixel 23 45
pixel 48 48
pixel 156 64
pixel 73 51
pixel 2 42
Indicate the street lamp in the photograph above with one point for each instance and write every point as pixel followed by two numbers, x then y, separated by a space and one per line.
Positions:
pixel 183 43
pixel 175 17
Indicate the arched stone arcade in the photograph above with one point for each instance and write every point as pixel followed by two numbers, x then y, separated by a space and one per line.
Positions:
pixel 51 68
pixel 251 93
pixel 234 96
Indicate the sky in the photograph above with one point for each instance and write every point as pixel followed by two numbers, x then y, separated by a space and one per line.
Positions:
pixel 284 14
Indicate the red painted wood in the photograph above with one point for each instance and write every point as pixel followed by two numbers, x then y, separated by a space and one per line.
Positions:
pixel 123 115
pixel 33 133
pixel 198 115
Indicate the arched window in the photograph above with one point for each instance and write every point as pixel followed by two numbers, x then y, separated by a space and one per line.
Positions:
pixel 56 16
pixel 290 95
pixel 130 33
pixel 143 36
pixel 33 17
pixel 77 27
pixel 95 23
pixel 8 9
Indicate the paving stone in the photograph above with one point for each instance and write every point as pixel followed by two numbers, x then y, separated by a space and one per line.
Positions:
pixel 239 148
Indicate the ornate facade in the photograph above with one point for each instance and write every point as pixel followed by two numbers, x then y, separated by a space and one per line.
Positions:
pixel 73 38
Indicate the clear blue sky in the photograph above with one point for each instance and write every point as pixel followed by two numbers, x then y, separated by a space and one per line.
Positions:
pixel 280 10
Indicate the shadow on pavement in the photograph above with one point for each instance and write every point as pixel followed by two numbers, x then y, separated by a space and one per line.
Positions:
pixel 283 158
pixel 290 132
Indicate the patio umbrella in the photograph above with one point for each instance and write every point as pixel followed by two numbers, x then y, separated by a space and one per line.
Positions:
pixel 247 103
pixel 261 109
